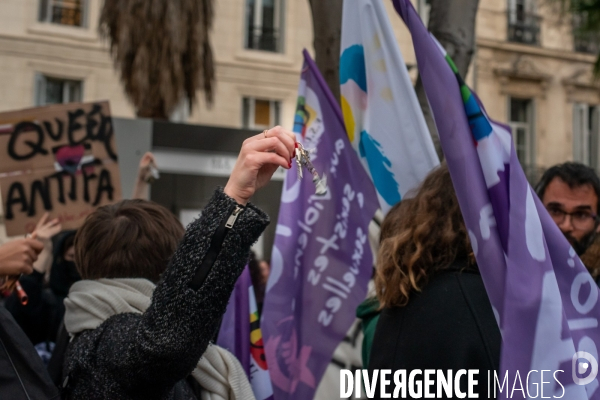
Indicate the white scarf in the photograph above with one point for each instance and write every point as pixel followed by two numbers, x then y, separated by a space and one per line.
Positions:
pixel 90 303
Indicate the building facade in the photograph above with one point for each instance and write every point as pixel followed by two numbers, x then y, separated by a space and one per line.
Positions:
pixel 50 51
pixel 534 73
pixel 529 69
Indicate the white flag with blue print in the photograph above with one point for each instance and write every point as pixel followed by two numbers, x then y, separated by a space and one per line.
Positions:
pixel 382 115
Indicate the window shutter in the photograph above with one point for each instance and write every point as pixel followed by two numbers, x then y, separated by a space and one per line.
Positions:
pixel 40 90
pixel 595 138
pixel 579 127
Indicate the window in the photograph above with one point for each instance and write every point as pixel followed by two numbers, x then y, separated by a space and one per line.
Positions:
pixel 55 90
pixel 259 113
pixel 264 25
pixel 63 12
pixel 586 134
pixel 521 122
pixel 523 22
pixel 584 40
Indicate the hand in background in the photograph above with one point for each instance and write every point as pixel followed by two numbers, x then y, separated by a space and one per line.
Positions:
pixel 259 158
pixel 145 176
pixel 17 257
pixel 145 167
pixel 44 230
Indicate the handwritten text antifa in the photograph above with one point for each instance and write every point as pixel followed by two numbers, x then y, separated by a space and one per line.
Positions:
pixel 17 193
pixel 90 181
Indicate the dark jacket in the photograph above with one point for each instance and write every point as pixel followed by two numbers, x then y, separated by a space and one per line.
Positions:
pixel 44 312
pixel 133 356
pixel 449 325
pixel 22 373
pixel 41 317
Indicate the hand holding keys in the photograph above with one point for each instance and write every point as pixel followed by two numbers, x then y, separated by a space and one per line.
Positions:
pixel 303 159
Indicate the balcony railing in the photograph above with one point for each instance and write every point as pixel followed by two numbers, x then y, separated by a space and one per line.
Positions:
pixel 524 27
pixel 263 38
pixel 586 42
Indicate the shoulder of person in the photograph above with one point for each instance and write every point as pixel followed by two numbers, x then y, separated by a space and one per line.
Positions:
pixel 104 335
pixel 451 291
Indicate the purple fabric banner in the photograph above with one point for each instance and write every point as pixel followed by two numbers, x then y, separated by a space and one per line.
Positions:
pixel 545 300
pixel 234 334
pixel 240 334
pixel 321 261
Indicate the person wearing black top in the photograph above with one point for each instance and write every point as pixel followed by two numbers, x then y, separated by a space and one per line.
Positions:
pixel 41 317
pixel 435 312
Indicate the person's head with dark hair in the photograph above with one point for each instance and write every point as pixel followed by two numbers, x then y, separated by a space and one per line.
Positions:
pixel 420 237
pixel 259 274
pixel 254 267
pixel 129 239
pixel 571 194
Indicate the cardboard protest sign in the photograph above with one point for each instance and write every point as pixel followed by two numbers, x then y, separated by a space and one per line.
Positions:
pixel 60 159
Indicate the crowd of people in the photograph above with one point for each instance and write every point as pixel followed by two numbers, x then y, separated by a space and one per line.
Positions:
pixel 431 309
pixel 128 306
pixel 137 298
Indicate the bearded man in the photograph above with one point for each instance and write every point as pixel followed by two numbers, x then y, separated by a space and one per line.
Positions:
pixel 571 194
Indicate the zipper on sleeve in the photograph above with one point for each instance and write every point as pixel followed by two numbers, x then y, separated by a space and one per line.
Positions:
pixel 215 246
pixel 233 217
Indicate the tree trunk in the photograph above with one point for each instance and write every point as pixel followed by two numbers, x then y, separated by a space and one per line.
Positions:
pixel 327 29
pixel 452 22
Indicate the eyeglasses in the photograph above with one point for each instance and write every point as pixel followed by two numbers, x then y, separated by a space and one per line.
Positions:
pixel 579 219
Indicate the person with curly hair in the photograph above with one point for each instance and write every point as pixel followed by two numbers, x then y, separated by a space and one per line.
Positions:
pixel 435 312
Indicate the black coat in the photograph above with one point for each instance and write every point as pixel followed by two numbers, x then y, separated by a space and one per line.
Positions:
pixel 132 356
pixel 22 373
pixel 42 315
pixel 44 312
pixel 449 325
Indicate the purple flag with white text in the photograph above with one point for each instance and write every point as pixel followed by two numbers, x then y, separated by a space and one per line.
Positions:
pixel 234 334
pixel 544 299
pixel 321 261
pixel 240 334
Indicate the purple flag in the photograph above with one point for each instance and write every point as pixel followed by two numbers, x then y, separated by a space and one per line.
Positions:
pixel 240 334
pixel 545 300
pixel 234 334
pixel 321 261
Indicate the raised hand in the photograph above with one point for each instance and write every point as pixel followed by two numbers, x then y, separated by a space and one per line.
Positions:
pixel 147 173
pixel 259 158
pixel 147 162
pixel 17 257
pixel 44 230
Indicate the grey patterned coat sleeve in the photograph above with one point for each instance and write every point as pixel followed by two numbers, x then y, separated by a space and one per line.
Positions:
pixel 133 356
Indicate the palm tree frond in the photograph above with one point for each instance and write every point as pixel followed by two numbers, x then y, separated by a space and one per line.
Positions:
pixel 162 51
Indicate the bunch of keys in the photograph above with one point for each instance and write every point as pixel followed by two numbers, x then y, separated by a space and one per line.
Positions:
pixel 303 159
